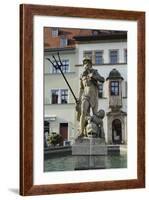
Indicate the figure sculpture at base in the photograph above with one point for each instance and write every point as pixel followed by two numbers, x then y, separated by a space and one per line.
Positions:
pixel 88 95
pixel 94 127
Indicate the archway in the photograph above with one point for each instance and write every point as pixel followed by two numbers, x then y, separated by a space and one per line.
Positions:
pixel 116 131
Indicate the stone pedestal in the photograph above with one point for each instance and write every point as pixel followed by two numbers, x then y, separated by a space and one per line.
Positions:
pixel 90 162
pixel 89 153
pixel 89 146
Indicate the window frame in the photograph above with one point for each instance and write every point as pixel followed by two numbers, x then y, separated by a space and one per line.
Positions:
pixel 64 95
pixel 125 55
pixel 59 93
pixel 102 54
pixel 110 51
pixel 113 87
pixel 87 52
pixel 54 90
pixel 100 90
pixel 63 41
pixel 64 69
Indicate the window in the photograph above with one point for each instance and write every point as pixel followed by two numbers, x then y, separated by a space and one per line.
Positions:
pixel 87 54
pixel 114 88
pixel 54 95
pixel 113 56
pixel 125 88
pixel 125 55
pixel 99 57
pixel 55 70
pixel 65 67
pixel 64 96
pixel 59 96
pixel 95 56
pixel 46 126
pixel 54 32
pixel 46 132
pixel 100 94
pixel 63 41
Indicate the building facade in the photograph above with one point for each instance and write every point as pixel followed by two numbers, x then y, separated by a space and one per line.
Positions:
pixel 108 51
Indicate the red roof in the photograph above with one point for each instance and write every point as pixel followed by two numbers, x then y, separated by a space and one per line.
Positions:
pixel 74 36
pixel 68 33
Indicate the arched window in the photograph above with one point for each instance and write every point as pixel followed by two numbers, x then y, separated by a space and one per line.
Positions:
pixel 116 131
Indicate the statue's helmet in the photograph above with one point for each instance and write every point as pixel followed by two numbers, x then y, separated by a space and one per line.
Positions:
pixel 86 60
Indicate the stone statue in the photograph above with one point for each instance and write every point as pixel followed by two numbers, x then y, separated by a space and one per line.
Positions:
pixel 94 125
pixel 88 95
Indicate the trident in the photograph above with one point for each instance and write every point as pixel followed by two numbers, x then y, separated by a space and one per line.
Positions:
pixel 58 65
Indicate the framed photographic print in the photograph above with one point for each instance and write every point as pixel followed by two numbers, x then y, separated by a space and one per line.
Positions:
pixel 82 99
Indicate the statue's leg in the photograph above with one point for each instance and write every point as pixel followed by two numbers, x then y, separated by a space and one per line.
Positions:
pixel 95 108
pixel 84 112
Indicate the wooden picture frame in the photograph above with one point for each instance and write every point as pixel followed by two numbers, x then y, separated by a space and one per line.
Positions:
pixel 27 12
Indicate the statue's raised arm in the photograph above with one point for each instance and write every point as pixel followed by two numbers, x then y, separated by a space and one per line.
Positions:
pixel 95 75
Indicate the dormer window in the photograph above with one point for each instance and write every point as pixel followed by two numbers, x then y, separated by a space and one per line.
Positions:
pixel 63 41
pixel 54 32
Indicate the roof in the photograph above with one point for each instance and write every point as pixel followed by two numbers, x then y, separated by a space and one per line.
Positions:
pixel 68 33
pixel 74 36
pixel 59 49
pixel 111 35
pixel 114 74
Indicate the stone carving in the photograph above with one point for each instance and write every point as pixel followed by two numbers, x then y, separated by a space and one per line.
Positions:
pixel 94 125
pixel 88 101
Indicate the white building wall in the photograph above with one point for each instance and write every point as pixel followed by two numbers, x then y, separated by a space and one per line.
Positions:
pixel 63 113
pixel 56 81
pixel 103 46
